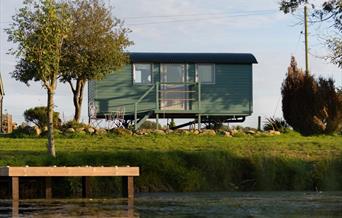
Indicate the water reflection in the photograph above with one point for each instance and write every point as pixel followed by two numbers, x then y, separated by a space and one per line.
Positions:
pixel 255 204
pixel 68 208
pixel 15 208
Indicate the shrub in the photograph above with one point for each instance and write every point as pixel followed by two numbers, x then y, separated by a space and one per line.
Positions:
pixel 23 131
pixel 276 124
pixel 39 117
pixel 215 125
pixel 73 124
pixel 121 132
pixel 310 106
pixel 172 124
pixel 150 125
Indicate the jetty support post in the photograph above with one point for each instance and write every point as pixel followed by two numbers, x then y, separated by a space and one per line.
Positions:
pixel 128 187
pixel 15 188
pixel 48 188
pixel 85 186
pixel 15 209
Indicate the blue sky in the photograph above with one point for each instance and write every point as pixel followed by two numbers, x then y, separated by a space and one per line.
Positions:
pixel 193 26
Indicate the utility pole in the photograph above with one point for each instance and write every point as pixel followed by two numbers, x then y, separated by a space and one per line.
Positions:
pixel 306 40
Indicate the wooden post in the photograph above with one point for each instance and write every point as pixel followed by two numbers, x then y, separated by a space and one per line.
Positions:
pixel 85 187
pixel 15 188
pixel 157 121
pixel 48 188
pixel 157 96
pixel 15 208
pixel 128 187
pixel 259 123
pixel 306 40
pixel 130 207
pixel 1 120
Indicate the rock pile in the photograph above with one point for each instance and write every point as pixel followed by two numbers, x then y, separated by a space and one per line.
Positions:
pixel 88 130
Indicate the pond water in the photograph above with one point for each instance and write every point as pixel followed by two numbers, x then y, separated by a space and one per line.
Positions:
pixel 220 204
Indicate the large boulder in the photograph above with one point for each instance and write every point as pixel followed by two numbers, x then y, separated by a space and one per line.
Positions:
pixel 233 132
pixel 273 132
pixel 80 129
pixel 122 132
pixel 90 130
pixel 100 131
pixel 142 132
pixel 70 130
pixel 159 132
pixel 195 132
pixel 208 132
pixel 227 134
pixel 168 131
pixel 82 133
pixel 250 132
pixel 37 131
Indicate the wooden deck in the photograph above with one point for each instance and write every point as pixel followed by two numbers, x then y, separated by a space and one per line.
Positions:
pixel 128 173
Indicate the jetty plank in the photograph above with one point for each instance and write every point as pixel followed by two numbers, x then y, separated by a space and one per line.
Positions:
pixel 69 171
pixel 127 173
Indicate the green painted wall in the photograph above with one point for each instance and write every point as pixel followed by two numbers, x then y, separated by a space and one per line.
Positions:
pixel 230 95
pixel 117 90
pixel 232 91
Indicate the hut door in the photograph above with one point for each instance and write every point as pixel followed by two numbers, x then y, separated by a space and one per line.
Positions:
pixel 173 95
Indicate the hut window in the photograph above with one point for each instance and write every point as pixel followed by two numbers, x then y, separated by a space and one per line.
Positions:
pixel 206 73
pixel 142 73
pixel 173 73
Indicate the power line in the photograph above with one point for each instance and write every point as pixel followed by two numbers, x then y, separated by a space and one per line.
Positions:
pixel 199 19
pixel 195 14
pixel 298 42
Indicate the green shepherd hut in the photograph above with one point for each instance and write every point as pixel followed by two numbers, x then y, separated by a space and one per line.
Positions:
pixel 205 87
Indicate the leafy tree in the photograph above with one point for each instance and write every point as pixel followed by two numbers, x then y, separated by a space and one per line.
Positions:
pixel 39 117
pixel 335 45
pixel 310 106
pixel 39 29
pixel 94 47
pixel 330 11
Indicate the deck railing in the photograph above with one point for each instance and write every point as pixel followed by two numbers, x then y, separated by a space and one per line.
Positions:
pixel 178 97
pixel 184 97
pixel 138 101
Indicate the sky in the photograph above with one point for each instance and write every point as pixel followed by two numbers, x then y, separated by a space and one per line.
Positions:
pixel 240 26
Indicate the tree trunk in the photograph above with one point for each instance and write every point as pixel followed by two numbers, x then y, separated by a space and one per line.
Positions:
pixel 51 139
pixel 78 99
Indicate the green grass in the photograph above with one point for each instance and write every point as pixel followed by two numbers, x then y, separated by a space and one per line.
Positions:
pixel 197 163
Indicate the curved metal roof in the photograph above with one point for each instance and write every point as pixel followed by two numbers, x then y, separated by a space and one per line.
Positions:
pixel 217 58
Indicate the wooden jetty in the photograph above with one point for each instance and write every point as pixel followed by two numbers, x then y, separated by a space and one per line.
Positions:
pixel 128 173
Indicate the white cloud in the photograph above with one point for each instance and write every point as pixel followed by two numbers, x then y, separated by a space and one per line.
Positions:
pixel 271 38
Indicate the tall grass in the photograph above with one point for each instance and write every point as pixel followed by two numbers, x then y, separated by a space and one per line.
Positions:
pixel 194 163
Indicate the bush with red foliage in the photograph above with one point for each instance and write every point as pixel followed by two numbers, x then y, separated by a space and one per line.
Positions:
pixel 311 106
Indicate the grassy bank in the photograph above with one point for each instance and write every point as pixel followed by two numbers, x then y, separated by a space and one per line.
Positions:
pixel 196 163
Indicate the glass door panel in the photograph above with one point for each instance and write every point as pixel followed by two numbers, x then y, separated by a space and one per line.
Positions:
pixel 173 95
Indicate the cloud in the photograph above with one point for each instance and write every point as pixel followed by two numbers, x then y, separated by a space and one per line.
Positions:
pixel 270 37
